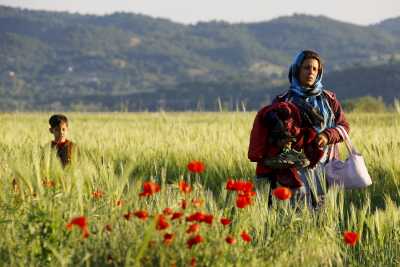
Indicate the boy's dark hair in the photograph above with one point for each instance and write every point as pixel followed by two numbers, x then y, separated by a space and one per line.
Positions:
pixel 56 119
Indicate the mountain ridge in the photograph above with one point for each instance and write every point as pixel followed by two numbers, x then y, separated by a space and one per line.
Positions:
pixel 47 55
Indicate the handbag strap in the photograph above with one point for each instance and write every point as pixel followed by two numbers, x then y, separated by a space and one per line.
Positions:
pixel 346 139
pixel 331 151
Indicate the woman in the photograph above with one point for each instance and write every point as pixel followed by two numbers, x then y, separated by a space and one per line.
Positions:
pixel 320 112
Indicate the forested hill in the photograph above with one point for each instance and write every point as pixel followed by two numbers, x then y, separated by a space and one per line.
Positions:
pixel 53 60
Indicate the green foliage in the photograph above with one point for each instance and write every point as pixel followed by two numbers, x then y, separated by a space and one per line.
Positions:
pixel 365 104
pixel 117 155
pixel 62 60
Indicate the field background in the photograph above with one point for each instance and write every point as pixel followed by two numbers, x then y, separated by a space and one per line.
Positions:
pixel 118 151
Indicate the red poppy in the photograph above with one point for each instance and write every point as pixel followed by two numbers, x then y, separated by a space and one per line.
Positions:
pixel 128 215
pixel 141 214
pixel 282 193
pixel 200 217
pixel 245 236
pixel 196 166
pixel 350 238
pixel 239 185
pixel 225 221
pixel 208 218
pixel 242 201
pixel 119 203
pixel 247 193
pixel 161 222
pixel 230 240
pixel 168 211
pixel 48 183
pixel 168 238
pixel 184 187
pixel 195 217
pixel 97 194
pixel 194 240
pixel 193 262
pixel 80 222
pixel 197 202
pixel 108 227
pixel 176 215
pixel 193 228
pixel 183 204
pixel 149 188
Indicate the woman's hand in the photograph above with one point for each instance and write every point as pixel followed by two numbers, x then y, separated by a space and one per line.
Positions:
pixel 321 140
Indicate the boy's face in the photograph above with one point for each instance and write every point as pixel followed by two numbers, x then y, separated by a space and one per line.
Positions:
pixel 60 132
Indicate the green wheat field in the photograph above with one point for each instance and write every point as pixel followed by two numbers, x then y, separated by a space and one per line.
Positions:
pixel 118 152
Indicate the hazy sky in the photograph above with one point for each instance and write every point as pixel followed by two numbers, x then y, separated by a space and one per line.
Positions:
pixel 191 11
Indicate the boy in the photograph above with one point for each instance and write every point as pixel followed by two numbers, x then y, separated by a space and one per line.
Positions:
pixel 59 129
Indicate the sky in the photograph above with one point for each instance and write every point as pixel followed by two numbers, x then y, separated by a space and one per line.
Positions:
pixel 362 12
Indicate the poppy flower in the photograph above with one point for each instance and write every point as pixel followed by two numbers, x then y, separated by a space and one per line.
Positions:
pixel 196 166
pixel 119 203
pixel 350 238
pixel 193 262
pixel 242 201
pixel 168 211
pixel 245 236
pixel 200 217
pixel 183 204
pixel 194 240
pixel 225 221
pixel 168 238
pixel 197 202
pixel 230 240
pixel 141 214
pixel 282 193
pixel 193 228
pixel 208 218
pixel 128 215
pixel 161 223
pixel 176 215
pixel 247 193
pixel 97 194
pixel 184 187
pixel 80 222
pixel 85 233
pixel 48 183
pixel 108 227
pixel 197 216
pixel 149 188
pixel 239 185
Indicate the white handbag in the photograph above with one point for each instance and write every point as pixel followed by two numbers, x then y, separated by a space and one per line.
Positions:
pixel 351 173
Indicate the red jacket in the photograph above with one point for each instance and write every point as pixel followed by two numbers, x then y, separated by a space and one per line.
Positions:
pixel 340 119
pixel 259 149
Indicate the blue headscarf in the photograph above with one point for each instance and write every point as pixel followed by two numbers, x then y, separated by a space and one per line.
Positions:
pixel 312 95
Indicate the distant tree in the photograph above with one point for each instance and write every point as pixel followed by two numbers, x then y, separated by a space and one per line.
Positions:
pixel 365 104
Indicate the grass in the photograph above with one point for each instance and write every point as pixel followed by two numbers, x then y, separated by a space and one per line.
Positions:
pixel 117 152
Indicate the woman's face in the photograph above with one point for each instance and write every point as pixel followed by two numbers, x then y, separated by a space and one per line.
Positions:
pixel 308 72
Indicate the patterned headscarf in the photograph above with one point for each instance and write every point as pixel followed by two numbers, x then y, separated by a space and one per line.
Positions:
pixel 312 95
